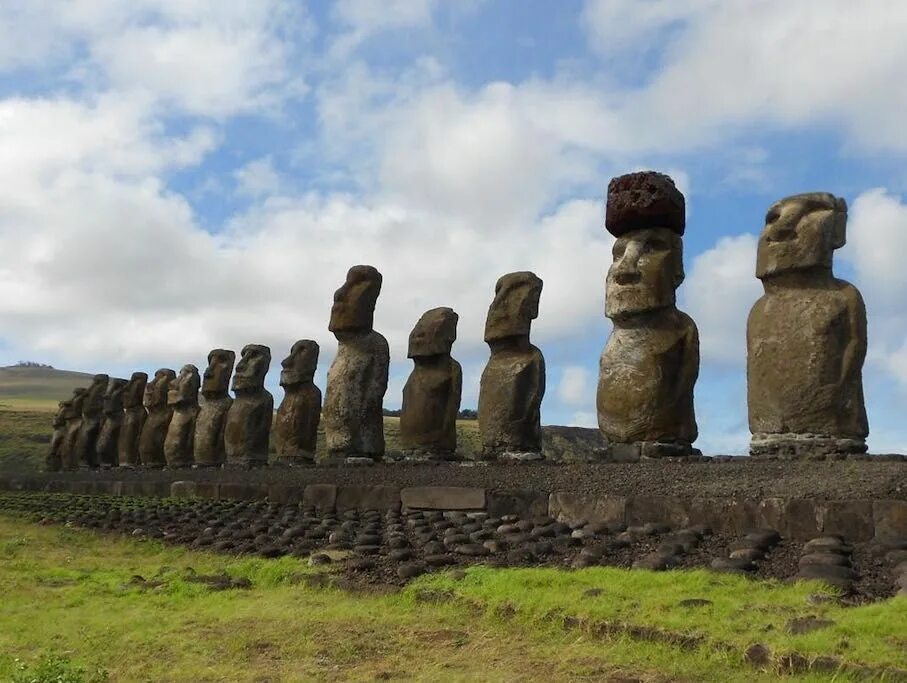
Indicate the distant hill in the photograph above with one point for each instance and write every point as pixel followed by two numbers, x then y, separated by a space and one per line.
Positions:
pixel 39 383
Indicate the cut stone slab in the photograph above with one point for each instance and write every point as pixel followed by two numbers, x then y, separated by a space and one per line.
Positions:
pixel 443 498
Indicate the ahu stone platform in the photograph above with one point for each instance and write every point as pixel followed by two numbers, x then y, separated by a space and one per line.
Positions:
pixel 858 500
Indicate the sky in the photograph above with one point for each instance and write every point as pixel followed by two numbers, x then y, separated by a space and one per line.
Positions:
pixel 180 175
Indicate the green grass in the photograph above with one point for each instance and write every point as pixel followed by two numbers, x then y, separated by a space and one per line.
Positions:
pixel 70 594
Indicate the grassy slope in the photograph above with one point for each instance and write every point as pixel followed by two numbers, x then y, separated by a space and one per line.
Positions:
pixel 29 396
pixel 67 592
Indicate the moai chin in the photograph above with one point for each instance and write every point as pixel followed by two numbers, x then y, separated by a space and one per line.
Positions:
pixel 650 362
pixel 182 398
pixel 72 414
pixel 357 380
pixel 431 395
pixel 247 433
pixel 134 415
pixel 296 424
pixel 513 382
pixel 108 438
pixel 154 431
pixel 806 336
pixel 92 415
pixel 208 447
pixel 54 461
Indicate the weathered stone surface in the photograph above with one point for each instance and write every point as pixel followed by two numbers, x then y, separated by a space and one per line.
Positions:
pixel 72 414
pixel 208 445
pixel 107 446
pixel 321 496
pixel 182 398
pixel 183 489
pixel 443 498
pixel 154 431
pixel 290 495
pixel 92 414
pixel 661 509
pixel 803 519
pixel 890 518
pixel 368 498
pixel 850 519
pixel 806 336
pixel 357 380
pixel 525 503
pixel 643 200
pixel 296 424
pixel 651 361
pixel 569 507
pixel 431 396
pixel 54 461
pixel 247 432
pixel 242 491
pixel 134 415
pixel 513 382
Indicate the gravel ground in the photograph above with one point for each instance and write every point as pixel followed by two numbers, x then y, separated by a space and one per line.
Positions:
pixel 877 477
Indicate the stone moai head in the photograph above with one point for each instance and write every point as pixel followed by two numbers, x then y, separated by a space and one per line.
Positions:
pixel 94 399
pixel 113 397
pixel 184 389
pixel 60 415
pixel 157 390
pixel 216 381
pixel 252 368
pixel 76 403
pixel 354 302
pixel 434 334
pixel 135 390
pixel 299 367
pixel 801 233
pixel 646 215
pixel 515 306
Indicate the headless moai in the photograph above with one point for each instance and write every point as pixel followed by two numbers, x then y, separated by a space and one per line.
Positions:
pixel 651 361
pixel 92 415
pixel 208 447
pixel 109 436
pixel 154 431
pixel 357 380
pixel 182 397
pixel 247 433
pixel 54 461
pixel 806 336
pixel 134 415
pixel 431 395
pixel 296 424
pixel 72 415
pixel 513 382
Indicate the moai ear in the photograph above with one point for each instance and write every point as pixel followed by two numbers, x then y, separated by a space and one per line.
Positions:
pixel 839 224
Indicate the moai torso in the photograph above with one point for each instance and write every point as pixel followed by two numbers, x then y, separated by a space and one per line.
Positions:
pixel 650 363
pixel 54 462
pixel 73 418
pixel 431 395
pixel 353 412
pixel 92 415
pixel 182 398
pixel 247 432
pixel 513 382
pixel 133 420
pixel 208 444
pixel 806 336
pixel 108 438
pixel 296 423
pixel 154 431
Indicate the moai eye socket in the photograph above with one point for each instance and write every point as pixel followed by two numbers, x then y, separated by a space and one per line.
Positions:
pixel 620 246
pixel 772 215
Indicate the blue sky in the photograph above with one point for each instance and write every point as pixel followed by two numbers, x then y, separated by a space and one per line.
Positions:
pixel 177 175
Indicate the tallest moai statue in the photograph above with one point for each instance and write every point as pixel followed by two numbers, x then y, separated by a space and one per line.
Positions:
pixel 806 336
pixel 651 360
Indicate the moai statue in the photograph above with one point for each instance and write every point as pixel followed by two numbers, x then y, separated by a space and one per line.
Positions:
pixel 154 431
pixel 72 414
pixel 109 437
pixel 247 432
pixel 513 382
pixel 209 449
pixel 353 403
pixel 651 360
pixel 54 462
pixel 92 415
pixel 182 398
pixel 134 415
pixel 431 396
pixel 296 425
pixel 806 336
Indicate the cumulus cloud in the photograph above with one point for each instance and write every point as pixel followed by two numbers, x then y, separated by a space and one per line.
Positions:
pixel 574 387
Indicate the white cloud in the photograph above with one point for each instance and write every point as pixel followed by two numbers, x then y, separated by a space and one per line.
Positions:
pixel 574 387
pixel 257 178
pixel 362 19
